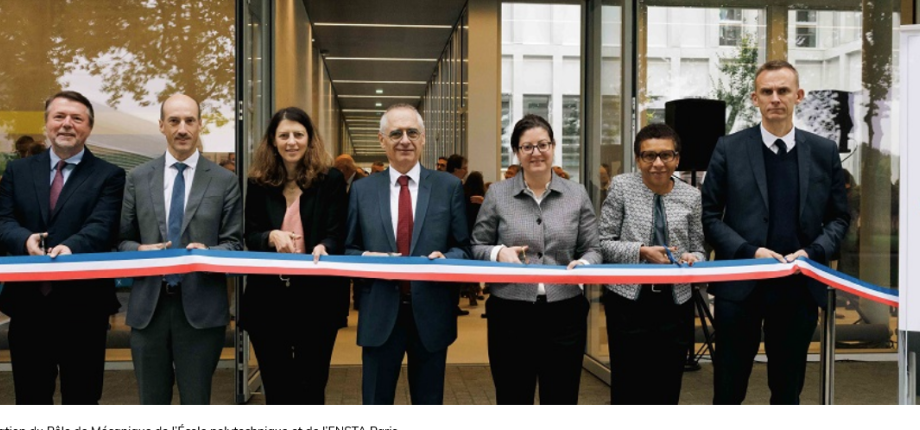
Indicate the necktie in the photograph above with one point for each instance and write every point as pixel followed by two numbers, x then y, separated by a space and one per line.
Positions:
pixel 660 231
pixel 58 183
pixel 176 215
pixel 782 147
pixel 404 225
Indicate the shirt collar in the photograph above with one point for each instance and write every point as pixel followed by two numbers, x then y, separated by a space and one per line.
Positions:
pixel 190 162
pixel 769 138
pixel 555 183
pixel 76 159
pixel 414 174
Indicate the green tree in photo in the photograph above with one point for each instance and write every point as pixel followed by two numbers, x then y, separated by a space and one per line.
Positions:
pixel 737 84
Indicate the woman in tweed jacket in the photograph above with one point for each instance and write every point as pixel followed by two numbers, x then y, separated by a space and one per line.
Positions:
pixel 647 325
pixel 536 331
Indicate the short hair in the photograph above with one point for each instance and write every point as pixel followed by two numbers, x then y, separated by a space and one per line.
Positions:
pixel 377 163
pixel 36 148
pixel 655 131
pixel 528 122
pixel 776 65
pixel 418 116
pixel 514 167
pixel 197 104
pixel 74 97
pixel 455 162
pixel 23 144
pixel 442 158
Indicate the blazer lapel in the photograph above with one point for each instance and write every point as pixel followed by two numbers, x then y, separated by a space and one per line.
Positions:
pixel 383 196
pixel 804 158
pixel 200 183
pixel 755 154
pixel 156 194
pixel 277 205
pixel 78 176
pixel 41 178
pixel 421 206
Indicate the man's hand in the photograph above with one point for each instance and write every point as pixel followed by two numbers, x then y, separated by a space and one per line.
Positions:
pixel 283 241
pixel 769 253
pixel 436 254
pixel 655 254
pixel 319 250
pixel 154 246
pixel 33 244
pixel 196 245
pixel 688 258
pixel 574 264
pixel 513 254
pixel 477 200
pixel 59 250
pixel 795 255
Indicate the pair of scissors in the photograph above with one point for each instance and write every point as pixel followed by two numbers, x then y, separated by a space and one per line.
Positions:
pixel 673 260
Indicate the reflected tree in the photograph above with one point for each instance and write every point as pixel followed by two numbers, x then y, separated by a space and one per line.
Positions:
pixel 737 83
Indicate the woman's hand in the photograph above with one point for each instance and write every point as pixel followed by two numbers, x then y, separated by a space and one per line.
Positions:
pixel 283 241
pixel 688 258
pixel 655 254
pixel 477 200
pixel 574 264
pixel 512 254
pixel 318 251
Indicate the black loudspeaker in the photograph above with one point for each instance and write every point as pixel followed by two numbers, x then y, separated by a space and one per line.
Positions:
pixel 699 123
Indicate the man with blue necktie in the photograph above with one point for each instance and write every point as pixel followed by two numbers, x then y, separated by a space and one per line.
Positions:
pixel 180 201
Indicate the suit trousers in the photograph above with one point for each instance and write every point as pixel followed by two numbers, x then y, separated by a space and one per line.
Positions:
pixel 788 314
pixel 537 342
pixel 648 345
pixel 382 364
pixel 293 360
pixel 170 350
pixel 55 338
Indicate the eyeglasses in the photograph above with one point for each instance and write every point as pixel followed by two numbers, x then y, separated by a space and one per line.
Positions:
pixel 396 135
pixel 651 156
pixel 528 148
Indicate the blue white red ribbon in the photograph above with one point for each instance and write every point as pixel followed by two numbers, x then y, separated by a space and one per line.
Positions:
pixel 180 261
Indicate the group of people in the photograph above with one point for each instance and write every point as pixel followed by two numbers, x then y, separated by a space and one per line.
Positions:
pixel 771 191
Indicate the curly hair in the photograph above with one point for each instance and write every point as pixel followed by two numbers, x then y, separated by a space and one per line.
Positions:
pixel 267 167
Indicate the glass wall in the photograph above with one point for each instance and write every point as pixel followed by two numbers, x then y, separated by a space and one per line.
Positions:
pixel 541 74
pixel 117 53
pixel 443 106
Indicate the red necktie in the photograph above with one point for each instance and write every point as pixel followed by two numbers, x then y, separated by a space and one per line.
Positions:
pixel 404 225
pixel 58 183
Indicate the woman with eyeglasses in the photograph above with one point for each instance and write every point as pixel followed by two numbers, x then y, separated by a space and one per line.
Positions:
pixel 537 332
pixel 296 204
pixel 649 217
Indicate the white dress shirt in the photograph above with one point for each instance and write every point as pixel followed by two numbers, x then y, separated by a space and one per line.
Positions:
pixel 169 177
pixel 769 139
pixel 414 174
pixel 68 168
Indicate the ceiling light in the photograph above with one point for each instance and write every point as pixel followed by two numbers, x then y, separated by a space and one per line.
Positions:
pixel 354 24
pixel 378 104
pixel 379 91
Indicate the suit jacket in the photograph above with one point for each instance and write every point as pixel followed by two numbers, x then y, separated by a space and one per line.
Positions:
pixel 85 219
pixel 735 203
pixel 561 229
pixel 315 299
pixel 213 217
pixel 439 225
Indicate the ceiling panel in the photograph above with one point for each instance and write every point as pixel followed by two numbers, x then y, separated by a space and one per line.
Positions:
pixel 409 12
pixel 345 88
pixel 377 42
pixel 370 103
pixel 380 70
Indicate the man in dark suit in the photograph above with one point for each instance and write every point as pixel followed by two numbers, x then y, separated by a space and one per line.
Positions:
pixel 771 191
pixel 387 214
pixel 180 200
pixel 62 201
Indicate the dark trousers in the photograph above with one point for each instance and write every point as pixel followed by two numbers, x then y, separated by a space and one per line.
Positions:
pixel 531 342
pixel 648 345
pixel 293 360
pixel 170 350
pixel 788 314
pixel 52 340
pixel 382 364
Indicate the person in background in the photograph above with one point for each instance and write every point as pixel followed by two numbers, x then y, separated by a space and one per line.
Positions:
pixel 378 166
pixel 474 190
pixel 229 165
pixel 649 217
pixel 776 192
pixel 180 200
pixel 23 146
pixel 604 174
pixel 560 173
pixel 458 166
pixel 536 332
pixel 296 204
pixel 442 164
pixel 36 148
pixel 512 171
pixel 62 201
pixel 346 164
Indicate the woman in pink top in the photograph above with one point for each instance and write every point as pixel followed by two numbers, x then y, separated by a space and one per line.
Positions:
pixel 296 203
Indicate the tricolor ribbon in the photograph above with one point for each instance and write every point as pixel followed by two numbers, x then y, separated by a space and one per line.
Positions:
pixel 180 261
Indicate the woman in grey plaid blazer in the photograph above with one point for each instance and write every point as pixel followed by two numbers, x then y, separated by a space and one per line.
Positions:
pixel 536 331
pixel 648 217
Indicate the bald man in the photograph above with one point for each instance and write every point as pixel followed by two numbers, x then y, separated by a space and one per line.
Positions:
pixel 181 201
